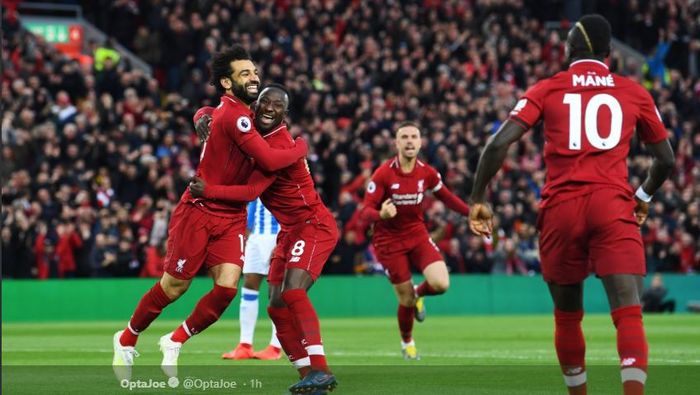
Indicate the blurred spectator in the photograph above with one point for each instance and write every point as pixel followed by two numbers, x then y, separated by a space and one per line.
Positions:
pixel 654 298
pixel 109 150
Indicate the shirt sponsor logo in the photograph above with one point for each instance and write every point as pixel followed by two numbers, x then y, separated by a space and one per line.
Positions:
pixel 407 199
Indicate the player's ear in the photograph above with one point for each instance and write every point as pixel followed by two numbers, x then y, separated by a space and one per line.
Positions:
pixel 226 83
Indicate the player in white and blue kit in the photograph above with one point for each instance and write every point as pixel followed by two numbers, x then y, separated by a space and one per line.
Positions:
pixel 263 228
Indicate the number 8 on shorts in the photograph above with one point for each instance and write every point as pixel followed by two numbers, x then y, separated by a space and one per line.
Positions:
pixel 297 251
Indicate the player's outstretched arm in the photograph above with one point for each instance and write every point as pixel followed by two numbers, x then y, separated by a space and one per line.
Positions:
pixel 273 159
pixel 257 184
pixel 452 201
pixel 492 157
pixel 661 168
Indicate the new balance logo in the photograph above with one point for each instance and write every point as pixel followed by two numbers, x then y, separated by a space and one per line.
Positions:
pixel 180 265
pixel 295 259
pixel 394 186
pixel 629 361
pixel 573 371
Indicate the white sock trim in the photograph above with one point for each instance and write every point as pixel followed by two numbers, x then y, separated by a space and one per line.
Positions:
pixel 187 330
pixel 300 363
pixel 315 350
pixel 575 381
pixel 248 291
pixel 404 344
pixel 633 374
pixel 128 326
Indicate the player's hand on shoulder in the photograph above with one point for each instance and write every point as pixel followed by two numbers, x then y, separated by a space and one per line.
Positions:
pixel 197 186
pixel 481 219
pixel 641 211
pixel 203 127
pixel 388 210
pixel 301 146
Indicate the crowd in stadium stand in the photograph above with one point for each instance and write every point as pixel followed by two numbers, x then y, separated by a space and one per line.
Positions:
pixel 94 158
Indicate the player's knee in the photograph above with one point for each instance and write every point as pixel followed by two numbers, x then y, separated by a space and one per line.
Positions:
pixel 440 286
pixel 276 301
pixel 407 299
pixel 173 287
pixel 226 282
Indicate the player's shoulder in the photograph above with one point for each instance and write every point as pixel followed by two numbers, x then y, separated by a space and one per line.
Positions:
pixel 387 166
pixel 426 168
pixel 629 85
pixel 232 110
pixel 279 137
pixel 383 171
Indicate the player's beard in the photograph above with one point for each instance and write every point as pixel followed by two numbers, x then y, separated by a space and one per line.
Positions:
pixel 242 93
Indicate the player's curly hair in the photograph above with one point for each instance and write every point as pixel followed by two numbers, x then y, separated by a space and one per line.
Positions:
pixel 221 64
pixel 592 36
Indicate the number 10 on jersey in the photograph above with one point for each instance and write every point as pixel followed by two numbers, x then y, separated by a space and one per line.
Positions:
pixel 590 121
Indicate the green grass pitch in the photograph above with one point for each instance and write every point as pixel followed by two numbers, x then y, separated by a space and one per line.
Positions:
pixel 460 355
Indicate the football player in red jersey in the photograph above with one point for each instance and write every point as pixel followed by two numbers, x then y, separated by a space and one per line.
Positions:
pixel 206 231
pixel 394 203
pixel 589 216
pixel 307 238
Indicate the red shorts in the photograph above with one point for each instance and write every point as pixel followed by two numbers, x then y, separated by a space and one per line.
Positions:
pixel 595 233
pixel 196 237
pixel 397 257
pixel 306 246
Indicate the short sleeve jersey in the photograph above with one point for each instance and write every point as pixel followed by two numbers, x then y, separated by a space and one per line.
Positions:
pixel 590 116
pixel 222 162
pixel 292 198
pixel 407 191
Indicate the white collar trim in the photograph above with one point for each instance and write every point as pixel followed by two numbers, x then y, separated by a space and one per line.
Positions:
pixel 589 60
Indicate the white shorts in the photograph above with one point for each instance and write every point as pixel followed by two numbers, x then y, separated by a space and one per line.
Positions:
pixel 258 250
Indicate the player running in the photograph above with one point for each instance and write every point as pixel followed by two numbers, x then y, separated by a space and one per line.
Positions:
pixel 588 216
pixel 393 202
pixel 206 231
pixel 261 241
pixel 307 238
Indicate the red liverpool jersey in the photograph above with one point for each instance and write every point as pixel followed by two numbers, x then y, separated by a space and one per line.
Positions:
pixel 222 161
pixel 292 197
pixel 590 116
pixel 407 191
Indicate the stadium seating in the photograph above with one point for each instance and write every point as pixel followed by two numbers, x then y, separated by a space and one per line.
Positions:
pixel 94 161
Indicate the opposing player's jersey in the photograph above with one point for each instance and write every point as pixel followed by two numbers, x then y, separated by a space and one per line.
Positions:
pixel 292 197
pixel 260 219
pixel 222 161
pixel 590 115
pixel 407 191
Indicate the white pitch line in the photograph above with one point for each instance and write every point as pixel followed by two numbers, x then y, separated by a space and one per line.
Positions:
pixel 468 355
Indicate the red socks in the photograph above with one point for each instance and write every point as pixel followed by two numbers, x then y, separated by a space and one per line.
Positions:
pixel 571 349
pixel 424 289
pixel 206 312
pixel 148 309
pixel 405 315
pixel 632 348
pixel 300 306
pixel 290 337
